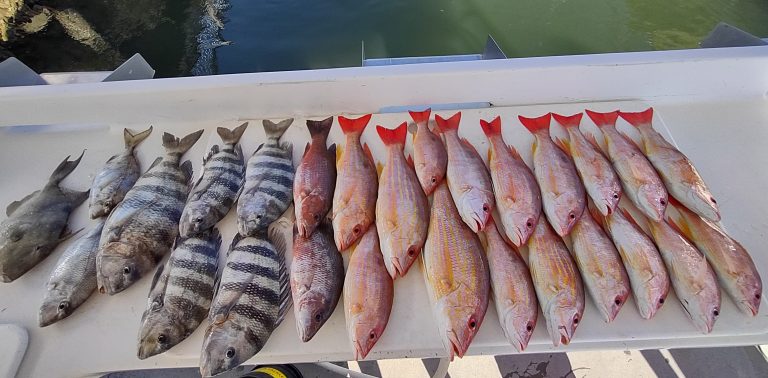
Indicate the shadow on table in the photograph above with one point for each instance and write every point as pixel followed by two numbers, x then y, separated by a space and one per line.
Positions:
pixel 538 365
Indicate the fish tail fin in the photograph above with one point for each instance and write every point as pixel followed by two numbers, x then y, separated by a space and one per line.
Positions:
pixel 231 136
pixel 175 145
pixel 320 129
pixel 394 136
pixel 491 128
pixel 449 124
pixel 537 124
pixel 354 125
pixel 132 138
pixel 603 119
pixel 568 121
pixel 276 130
pixel 638 119
pixel 421 117
pixel 64 169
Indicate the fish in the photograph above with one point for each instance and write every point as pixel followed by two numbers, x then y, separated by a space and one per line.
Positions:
pixel 317 278
pixel 468 179
pixel 692 277
pixel 456 274
pixel 429 156
pixel 73 279
pixel 181 293
pixel 402 208
pixel 37 223
pixel 645 268
pixel 680 177
pixel 315 179
pixel 639 179
pixel 557 282
pixel 143 227
pixel 599 179
pixel 731 262
pixel 218 187
pixel 251 301
pixel 562 192
pixel 368 294
pixel 117 176
pixel 268 188
pixel 601 267
pixel 518 197
pixel 354 199
pixel 512 289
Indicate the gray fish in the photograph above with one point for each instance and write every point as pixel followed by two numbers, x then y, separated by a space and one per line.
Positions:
pixel 181 293
pixel 317 278
pixel 268 189
pixel 218 186
pixel 74 278
pixel 117 176
pixel 37 223
pixel 251 301
pixel 142 228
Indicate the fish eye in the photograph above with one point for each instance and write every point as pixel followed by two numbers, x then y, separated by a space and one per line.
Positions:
pixel 258 217
pixel 411 252
pixel 662 201
pixel 615 195
pixel 757 296
pixel 576 319
pixel 127 270
pixel 161 338
pixel 16 235
pixel 529 327
pixel 434 179
pixel 318 317
pixel 230 352
pixel 661 300
pixel 485 208
pixel 199 220
pixel 472 323
pixel 715 312
pixel 712 199
pixel 63 305
pixel 108 203
pixel 617 301
pixel 372 335
pixel 356 230
pixel 572 216
pixel 529 223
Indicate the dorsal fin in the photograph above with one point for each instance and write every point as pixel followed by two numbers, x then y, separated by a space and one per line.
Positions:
pixel 564 145
pixel 16 204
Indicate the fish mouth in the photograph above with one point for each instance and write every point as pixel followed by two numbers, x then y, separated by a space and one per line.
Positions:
pixel 144 353
pixel 565 336
pixel 360 351
pixel 455 348
pixel 399 271
pixel 519 235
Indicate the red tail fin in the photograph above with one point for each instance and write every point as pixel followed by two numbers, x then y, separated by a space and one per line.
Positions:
pixel 393 136
pixel 448 124
pixel 354 125
pixel 603 119
pixel 568 121
pixel 637 119
pixel 491 128
pixel 421 117
pixel 537 124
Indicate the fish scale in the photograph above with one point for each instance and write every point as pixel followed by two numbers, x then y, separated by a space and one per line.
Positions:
pixel 251 301
pixel 181 293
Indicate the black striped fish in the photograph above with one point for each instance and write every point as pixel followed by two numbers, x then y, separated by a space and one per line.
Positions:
pixel 252 299
pixel 142 228
pixel 181 293
pixel 268 188
pixel 218 186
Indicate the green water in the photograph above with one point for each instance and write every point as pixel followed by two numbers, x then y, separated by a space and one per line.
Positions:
pixel 303 34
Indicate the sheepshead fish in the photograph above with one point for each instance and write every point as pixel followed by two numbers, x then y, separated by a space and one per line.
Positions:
pixel 600 266
pixel 143 227
pixel 561 189
pixel 354 201
pixel 600 181
pixel 731 262
pixel 680 177
pixel 73 279
pixel 692 278
pixel 645 269
pixel 117 176
pixel 557 282
pixel 512 289
pixel 468 179
pixel 315 179
pixel 456 274
pixel 368 294
pixel 639 180
pixel 218 186
pixel 317 277
pixel 37 223
pixel 181 293
pixel 402 208
pixel 251 301
pixel 429 156
pixel 268 188
pixel 518 196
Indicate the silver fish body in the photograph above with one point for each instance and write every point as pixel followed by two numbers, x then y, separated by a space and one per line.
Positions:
pixel 73 279
pixel 37 223
pixel 181 293
pixel 218 187
pixel 268 188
